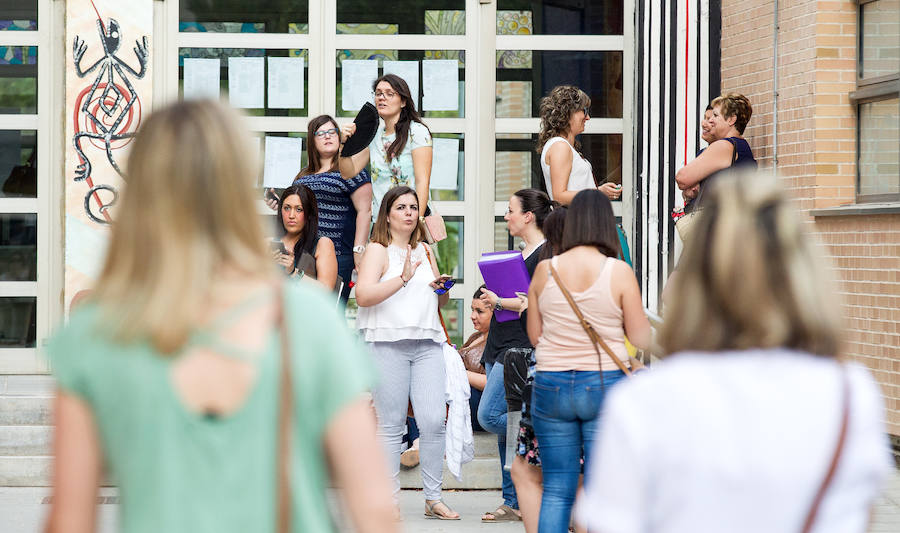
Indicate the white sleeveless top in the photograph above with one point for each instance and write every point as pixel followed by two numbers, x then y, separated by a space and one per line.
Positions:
pixel 581 177
pixel 411 312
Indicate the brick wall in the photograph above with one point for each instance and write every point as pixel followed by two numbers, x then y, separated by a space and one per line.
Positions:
pixel 816 158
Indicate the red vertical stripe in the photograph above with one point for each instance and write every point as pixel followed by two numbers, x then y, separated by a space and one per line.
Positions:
pixel 687 41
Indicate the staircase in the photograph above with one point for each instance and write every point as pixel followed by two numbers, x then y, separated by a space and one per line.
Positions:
pixel 25 430
pixel 26 433
pixel 482 473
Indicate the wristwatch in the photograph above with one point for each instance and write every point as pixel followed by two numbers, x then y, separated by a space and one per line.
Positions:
pixel 499 305
pixel 358 249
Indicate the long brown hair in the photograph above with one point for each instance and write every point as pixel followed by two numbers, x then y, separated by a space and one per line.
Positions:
pixel 307 241
pixel 381 232
pixel 189 164
pixel 408 113
pixel 313 158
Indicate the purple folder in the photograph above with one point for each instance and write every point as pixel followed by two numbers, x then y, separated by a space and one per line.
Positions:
pixel 505 274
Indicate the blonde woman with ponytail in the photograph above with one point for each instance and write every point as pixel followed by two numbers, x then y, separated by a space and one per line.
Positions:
pixel 169 373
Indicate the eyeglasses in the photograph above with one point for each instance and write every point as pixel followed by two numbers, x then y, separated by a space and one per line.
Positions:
pixel 445 286
pixel 385 94
pixel 326 133
pixel 586 111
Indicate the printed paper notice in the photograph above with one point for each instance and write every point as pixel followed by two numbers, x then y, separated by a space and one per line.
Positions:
pixel 282 161
pixel 201 78
pixel 246 76
pixel 409 71
pixel 440 85
pixel 357 76
pixel 445 164
pixel 286 82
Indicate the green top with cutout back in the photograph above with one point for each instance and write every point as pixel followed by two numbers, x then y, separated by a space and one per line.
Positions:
pixel 179 471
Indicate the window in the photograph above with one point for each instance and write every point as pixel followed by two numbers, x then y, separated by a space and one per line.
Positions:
pixel 877 98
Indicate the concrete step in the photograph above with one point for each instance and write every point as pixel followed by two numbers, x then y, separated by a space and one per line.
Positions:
pixel 481 473
pixel 25 410
pixel 21 471
pixel 25 440
pixel 485 444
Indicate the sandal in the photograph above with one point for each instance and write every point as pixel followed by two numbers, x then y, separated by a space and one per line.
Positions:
pixel 504 513
pixel 430 511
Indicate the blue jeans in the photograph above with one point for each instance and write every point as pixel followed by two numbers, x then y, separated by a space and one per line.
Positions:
pixel 565 413
pixel 492 417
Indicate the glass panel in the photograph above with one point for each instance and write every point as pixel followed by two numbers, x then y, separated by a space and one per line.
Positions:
pixel 879 147
pixel 503 240
pixel 552 17
pixel 18 247
pixel 429 17
pixel 518 165
pixel 243 16
pixel 264 105
pixel 443 168
pixel 443 106
pixel 880 54
pixel 524 76
pixel 271 223
pixel 18 317
pixel 18 15
pixel 450 250
pixel 18 163
pixel 18 80
pixel 454 318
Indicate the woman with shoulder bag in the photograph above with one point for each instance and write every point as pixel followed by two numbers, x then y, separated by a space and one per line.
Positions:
pixel 572 374
pixel 401 152
pixel 179 378
pixel 398 317
pixel 753 421
pixel 730 114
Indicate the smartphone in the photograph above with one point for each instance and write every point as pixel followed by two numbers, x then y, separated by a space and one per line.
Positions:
pixel 270 194
pixel 445 282
pixel 277 246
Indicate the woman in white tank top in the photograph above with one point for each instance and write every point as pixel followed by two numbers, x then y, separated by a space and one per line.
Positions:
pixel 398 317
pixel 564 113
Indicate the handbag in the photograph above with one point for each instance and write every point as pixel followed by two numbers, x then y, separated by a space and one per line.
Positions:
pixel 285 412
pixel 636 366
pixel 685 222
pixel 835 459
pixel 435 228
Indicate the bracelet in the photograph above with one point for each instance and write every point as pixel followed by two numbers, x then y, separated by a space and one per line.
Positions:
pixel 499 305
pixel 403 281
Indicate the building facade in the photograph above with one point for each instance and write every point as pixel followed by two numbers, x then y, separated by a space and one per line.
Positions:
pixel 481 66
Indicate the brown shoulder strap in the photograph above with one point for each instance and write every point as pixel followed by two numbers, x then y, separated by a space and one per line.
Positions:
pixel 440 315
pixel 835 459
pixel 588 328
pixel 285 412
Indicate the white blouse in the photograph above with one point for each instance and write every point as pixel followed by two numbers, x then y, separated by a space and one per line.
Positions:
pixel 411 312
pixel 737 442
pixel 581 177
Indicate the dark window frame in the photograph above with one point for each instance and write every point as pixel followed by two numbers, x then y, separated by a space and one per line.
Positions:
pixel 870 90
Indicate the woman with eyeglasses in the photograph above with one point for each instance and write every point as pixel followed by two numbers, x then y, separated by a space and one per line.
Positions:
pixel 401 152
pixel 345 205
pixel 564 114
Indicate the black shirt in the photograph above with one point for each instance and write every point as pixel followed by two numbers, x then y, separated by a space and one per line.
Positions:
pixel 505 335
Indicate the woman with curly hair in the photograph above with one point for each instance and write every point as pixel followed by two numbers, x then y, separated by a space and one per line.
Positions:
pixel 564 113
